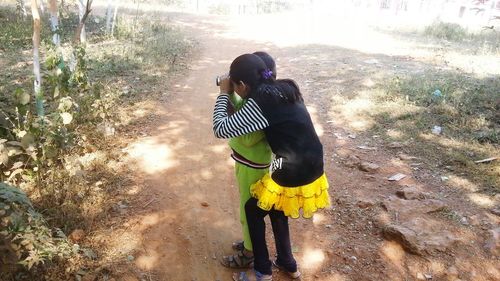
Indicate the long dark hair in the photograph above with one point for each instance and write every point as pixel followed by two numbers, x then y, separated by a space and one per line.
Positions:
pixel 269 61
pixel 249 69
pixel 252 70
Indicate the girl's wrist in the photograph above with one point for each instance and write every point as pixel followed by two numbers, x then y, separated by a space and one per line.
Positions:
pixel 225 92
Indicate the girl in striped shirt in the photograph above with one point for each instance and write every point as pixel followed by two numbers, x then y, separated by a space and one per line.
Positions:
pixel 252 156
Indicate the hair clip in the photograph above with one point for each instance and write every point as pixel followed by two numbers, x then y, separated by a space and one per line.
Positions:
pixel 267 74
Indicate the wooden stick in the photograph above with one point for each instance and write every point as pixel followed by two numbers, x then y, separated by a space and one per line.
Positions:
pixel 486 160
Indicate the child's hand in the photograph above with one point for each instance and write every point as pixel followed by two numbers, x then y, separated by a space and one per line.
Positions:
pixel 225 85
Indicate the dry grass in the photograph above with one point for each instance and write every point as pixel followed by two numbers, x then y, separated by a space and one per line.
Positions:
pixel 406 110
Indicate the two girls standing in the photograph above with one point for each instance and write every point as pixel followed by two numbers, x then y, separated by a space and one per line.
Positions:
pixel 297 180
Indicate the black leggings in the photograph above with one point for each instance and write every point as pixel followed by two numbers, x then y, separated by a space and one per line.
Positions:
pixel 257 228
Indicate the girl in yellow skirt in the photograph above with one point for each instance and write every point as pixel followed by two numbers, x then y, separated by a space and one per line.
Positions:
pixel 296 182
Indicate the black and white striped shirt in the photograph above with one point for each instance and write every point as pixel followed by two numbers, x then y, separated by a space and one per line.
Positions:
pixel 246 120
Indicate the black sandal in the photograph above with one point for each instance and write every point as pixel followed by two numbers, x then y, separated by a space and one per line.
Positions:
pixel 238 246
pixel 238 260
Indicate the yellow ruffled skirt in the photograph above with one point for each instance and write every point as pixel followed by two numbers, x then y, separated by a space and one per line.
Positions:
pixel 290 200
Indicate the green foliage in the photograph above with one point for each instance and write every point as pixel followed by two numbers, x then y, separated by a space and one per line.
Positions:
pixel 142 46
pixel 35 141
pixel 14 33
pixel 31 151
pixel 25 233
pixel 124 28
pixel 13 195
pixel 485 41
pixel 164 44
pixel 35 151
pixel 444 30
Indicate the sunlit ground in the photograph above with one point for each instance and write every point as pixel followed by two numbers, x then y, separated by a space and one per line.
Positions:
pixel 153 157
pixel 351 30
pixel 337 23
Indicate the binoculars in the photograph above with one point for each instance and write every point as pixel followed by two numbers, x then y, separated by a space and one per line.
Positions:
pixel 219 78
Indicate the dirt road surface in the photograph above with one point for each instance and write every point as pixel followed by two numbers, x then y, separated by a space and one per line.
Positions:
pixel 187 216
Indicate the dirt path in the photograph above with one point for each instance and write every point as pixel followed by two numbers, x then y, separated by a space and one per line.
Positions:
pixel 188 216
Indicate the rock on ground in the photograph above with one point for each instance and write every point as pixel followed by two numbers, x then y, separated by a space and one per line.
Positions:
pixel 420 236
pixel 412 193
pixel 368 167
pixel 412 208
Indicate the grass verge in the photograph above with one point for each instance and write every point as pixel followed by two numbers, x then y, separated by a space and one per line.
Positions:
pixel 448 120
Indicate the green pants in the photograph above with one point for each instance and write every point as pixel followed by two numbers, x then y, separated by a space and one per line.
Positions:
pixel 246 176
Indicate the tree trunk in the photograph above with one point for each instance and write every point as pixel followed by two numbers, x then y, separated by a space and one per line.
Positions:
pixel 114 18
pixel 81 26
pixel 84 11
pixel 22 9
pixel 54 23
pixel 109 16
pixel 36 59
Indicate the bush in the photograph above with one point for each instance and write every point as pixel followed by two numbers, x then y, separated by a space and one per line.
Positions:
pixel 24 236
pixel 448 31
